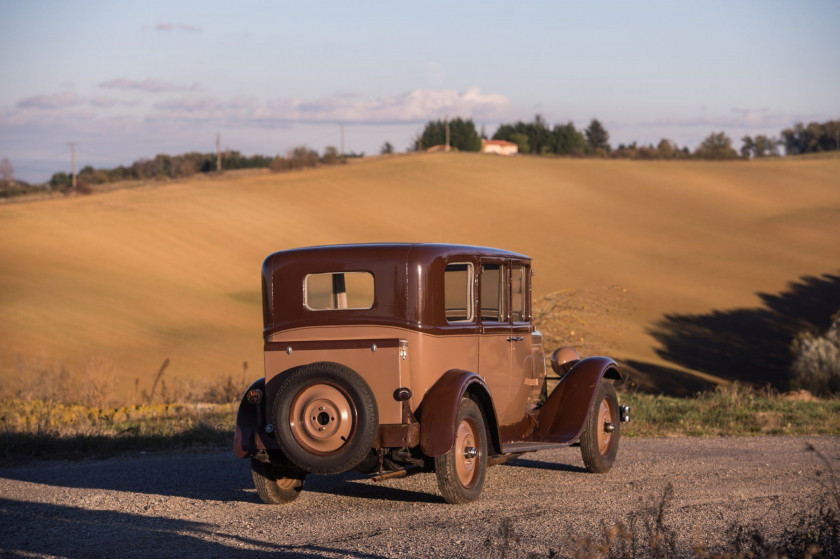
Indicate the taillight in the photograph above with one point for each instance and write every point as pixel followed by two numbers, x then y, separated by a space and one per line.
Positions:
pixel 254 396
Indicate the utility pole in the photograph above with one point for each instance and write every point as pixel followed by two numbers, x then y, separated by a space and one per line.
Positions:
pixel 218 153
pixel 447 133
pixel 73 159
pixel 342 140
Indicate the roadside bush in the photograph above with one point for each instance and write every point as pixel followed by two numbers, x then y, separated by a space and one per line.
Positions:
pixel 816 366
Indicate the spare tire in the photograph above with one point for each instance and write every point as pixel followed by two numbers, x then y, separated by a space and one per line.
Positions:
pixel 325 417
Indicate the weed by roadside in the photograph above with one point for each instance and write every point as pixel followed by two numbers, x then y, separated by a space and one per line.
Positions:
pixel 44 429
pixel 813 532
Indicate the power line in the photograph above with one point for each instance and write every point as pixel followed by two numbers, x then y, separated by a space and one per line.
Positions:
pixel 73 157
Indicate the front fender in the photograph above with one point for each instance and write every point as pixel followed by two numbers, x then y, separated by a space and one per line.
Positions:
pixel 563 415
pixel 440 409
pixel 249 419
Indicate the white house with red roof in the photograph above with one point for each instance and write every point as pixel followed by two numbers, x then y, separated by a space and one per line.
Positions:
pixel 499 147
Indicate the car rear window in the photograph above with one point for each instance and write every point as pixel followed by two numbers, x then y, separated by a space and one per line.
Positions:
pixel 338 291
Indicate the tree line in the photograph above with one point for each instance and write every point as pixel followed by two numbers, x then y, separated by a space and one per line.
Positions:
pixel 539 138
pixel 167 167
pixel 534 137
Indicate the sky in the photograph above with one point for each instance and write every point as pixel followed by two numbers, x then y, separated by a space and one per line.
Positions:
pixel 126 80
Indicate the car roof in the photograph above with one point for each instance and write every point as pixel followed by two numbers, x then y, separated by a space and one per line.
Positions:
pixel 401 251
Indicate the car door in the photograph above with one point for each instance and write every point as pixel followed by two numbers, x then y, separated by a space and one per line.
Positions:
pixel 523 380
pixel 494 362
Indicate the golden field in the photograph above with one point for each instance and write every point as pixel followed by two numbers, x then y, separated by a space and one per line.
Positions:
pixel 172 270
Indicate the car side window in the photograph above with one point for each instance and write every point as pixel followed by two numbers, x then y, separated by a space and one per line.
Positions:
pixel 493 292
pixel 519 293
pixel 458 292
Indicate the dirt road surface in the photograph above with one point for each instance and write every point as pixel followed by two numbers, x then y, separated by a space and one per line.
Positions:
pixel 204 505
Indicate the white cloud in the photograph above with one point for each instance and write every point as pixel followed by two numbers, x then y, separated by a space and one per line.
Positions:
pixel 54 101
pixel 108 102
pixel 415 106
pixel 736 118
pixel 149 84
pixel 177 27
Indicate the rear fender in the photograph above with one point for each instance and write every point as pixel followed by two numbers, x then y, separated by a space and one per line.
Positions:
pixel 249 419
pixel 563 415
pixel 439 410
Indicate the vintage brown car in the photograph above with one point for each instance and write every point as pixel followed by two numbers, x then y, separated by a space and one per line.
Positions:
pixel 391 359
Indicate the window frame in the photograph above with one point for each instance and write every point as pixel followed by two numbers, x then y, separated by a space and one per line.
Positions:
pixel 504 289
pixel 471 292
pixel 345 273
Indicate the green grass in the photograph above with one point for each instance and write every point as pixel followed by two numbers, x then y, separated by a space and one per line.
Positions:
pixel 730 411
pixel 43 429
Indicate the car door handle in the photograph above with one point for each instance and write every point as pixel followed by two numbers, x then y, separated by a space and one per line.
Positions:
pixel 515 339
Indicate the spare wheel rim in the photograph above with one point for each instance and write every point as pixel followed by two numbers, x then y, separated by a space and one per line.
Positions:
pixel 322 418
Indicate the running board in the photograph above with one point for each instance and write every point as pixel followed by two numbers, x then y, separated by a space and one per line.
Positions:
pixel 512 448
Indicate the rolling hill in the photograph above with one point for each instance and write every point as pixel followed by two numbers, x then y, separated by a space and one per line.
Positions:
pixel 142 274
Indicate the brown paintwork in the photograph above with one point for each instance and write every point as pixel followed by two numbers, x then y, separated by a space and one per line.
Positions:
pixel 437 426
pixel 561 418
pixel 408 285
pixel 398 436
pixel 331 344
pixel 500 362
pixel 248 423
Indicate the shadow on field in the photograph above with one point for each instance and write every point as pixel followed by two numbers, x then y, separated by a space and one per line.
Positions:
pixel 656 379
pixel 750 345
pixel 48 529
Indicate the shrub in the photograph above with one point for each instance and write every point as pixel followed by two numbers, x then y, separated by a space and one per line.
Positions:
pixel 816 366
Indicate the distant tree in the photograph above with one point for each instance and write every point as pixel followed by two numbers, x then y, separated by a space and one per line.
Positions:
pixel 279 164
pixel 812 138
pixel 301 156
pixel 760 146
pixel 540 138
pixel 597 137
pixel 666 149
pixel 747 147
pixel 331 156
pixel 386 148
pixel 568 140
pixel 7 171
pixel 60 181
pixel 521 141
pixel 462 135
pixel 716 146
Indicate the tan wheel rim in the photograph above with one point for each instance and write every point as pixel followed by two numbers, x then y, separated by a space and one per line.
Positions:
pixel 467 452
pixel 606 426
pixel 322 418
pixel 286 482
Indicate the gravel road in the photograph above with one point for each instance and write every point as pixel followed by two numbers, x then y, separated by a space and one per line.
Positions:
pixel 204 504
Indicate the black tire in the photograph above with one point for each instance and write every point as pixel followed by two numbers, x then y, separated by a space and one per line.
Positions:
pixel 603 421
pixel 275 486
pixel 325 418
pixel 460 478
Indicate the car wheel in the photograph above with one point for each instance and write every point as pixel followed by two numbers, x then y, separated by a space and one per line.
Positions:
pixel 274 485
pixel 461 471
pixel 325 418
pixel 599 441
